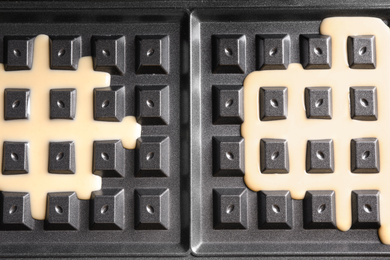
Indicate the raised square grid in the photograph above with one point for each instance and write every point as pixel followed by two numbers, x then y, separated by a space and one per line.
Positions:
pixel 16 162
pixel 299 130
pixel 296 129
pixel 15 154
pixel 75 242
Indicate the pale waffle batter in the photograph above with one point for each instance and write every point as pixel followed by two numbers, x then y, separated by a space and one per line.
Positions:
pixel 297 129
pixel 39 130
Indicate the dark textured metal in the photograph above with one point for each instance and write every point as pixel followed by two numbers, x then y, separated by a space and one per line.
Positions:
pixel 18 53
pixel 153 105
pixel 365 155
pixel 151 209
pixel 109 158
pixel 253 19
pixel 65 52
pixel 274 156
pixel 365 209
pixel 361 52
pixel 62 157
pixel 228 156
pixel 273 103
pixel 320 156
pixel 364 103
pixel 109 54
pixel 109 103
pixel 91 24
pixel 318 102
pixel 107 209
pixel 190 26
pixel 275 210
pixel 16 103
pixel 152 54
pixel 62 211
pixel 63 103
pixel 15 158
pixel 152 156
pixel 229 53
pixel 319 209
pixel 230 208
pixel 16 211
pixel 228 105
pixel 316 51
pixel 273 51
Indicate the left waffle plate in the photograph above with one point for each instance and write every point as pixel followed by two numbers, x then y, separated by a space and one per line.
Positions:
pixel 90 120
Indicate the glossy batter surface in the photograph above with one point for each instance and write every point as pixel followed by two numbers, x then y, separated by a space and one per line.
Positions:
pixel 39 130
pixel 297 129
